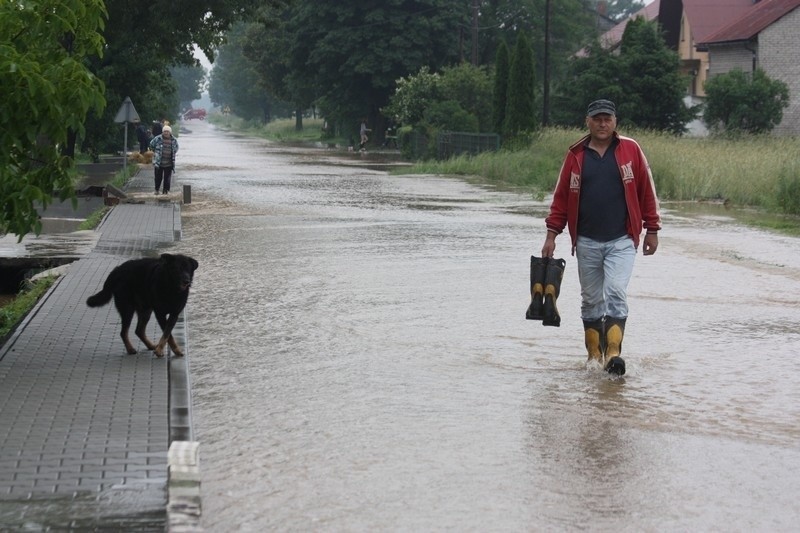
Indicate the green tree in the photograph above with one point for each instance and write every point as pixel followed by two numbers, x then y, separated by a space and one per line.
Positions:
pixel 264 43
pixel 738 102
pixel 47 92
pixel 235 81
pixel 572 25
pixel 413 95
pixel 145 39
pixel 654 86
pixel 500 92
pixel 471 88
pixel 464 87
pixel 190 81
pixel 643 80
pixel 354 51
pixel 590 77
pixel 521 116
pixel 450 116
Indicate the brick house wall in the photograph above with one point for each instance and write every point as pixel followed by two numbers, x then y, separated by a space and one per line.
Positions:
pixel 727 57
pixel 779 50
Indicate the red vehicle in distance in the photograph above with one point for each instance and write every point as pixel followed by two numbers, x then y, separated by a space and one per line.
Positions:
pixel 195 113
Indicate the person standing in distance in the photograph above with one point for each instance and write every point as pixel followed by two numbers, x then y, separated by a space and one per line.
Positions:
pixel 143 136
pixel 363 134
pixel 606 197
pixel 164 148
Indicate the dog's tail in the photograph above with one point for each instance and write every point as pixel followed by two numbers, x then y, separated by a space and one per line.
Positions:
pixel 100 299
pixel 103 297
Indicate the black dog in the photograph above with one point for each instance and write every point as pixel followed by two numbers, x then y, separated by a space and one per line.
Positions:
pixel 145 286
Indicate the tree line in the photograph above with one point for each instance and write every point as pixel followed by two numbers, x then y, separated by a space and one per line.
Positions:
pixel 470 65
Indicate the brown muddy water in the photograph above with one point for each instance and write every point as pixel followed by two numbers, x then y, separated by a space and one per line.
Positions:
pixel 361 362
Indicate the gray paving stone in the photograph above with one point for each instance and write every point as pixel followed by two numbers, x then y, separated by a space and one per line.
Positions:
pixel 80 415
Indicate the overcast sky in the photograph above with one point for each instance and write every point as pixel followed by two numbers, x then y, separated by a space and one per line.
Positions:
pixel 202 57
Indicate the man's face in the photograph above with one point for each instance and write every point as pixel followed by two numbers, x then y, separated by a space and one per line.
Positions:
pixel 601 126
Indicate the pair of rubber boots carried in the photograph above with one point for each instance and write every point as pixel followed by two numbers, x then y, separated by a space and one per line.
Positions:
pixel 546 276
pixel 604 342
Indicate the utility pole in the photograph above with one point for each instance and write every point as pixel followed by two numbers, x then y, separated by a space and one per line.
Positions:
pixel 475 32
pixel 546 81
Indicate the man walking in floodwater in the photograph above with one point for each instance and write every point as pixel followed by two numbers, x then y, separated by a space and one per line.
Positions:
pixel 605 194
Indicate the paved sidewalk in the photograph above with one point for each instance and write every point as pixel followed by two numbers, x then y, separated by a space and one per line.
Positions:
pixel 86 427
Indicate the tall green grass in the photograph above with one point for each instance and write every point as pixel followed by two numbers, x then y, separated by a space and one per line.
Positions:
pixel 745 172
pixel 757 171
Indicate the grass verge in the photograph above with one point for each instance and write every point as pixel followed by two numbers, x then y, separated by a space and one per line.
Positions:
pixel 282 130
pixel 120 179
pixel 16 310
pixel 761 172
pixel 94 219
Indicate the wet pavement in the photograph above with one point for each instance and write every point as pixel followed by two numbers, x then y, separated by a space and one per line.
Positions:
pixel 360 360
pixel 86 427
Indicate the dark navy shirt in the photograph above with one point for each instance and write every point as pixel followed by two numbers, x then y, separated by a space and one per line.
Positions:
pixel 602 213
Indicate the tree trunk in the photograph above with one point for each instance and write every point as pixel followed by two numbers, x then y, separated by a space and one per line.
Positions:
pixel 69 147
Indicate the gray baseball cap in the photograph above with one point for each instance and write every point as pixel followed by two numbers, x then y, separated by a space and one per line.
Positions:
pixel 601 106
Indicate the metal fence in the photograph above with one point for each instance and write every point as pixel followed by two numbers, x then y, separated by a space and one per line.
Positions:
pixel 452 143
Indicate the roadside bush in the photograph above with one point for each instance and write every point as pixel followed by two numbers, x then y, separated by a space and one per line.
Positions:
pixel 450 116
pixel 417 143
pixel 428 97
pixel 741 101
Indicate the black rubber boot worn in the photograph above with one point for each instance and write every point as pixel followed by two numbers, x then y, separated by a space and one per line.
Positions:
pixel 594 338
pixel 614 332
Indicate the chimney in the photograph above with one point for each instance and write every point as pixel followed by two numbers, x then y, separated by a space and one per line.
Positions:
pixel 602 7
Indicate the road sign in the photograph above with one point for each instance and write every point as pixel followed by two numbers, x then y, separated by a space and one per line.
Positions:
pixel 126 113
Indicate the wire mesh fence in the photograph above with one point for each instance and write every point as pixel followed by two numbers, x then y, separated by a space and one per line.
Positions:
pixel 453 143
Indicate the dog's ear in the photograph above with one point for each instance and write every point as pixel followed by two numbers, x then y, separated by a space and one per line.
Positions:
pixel 194 263
pixel 167 257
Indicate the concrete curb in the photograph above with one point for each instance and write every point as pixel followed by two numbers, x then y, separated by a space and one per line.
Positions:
pixel 185 506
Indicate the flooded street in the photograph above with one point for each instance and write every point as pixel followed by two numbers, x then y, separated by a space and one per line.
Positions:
pixel 360 360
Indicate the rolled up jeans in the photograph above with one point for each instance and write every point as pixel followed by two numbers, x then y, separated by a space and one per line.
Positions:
pixel 604 270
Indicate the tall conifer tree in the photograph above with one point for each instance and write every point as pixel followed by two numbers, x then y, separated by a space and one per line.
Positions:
pixel 501 73
pixel 520 114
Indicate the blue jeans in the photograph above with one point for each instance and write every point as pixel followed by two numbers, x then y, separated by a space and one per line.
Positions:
pixel 604 270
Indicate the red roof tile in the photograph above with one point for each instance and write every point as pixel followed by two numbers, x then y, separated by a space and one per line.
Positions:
pixel 753 21
pixel 705 17
pixel 708 16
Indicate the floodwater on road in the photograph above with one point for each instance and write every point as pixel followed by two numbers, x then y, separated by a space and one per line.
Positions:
pixel 360 360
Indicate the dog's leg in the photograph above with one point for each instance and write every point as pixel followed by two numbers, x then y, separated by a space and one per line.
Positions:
pixel 166 327
pixel 141 328
pixel 126 314
pixel 173 344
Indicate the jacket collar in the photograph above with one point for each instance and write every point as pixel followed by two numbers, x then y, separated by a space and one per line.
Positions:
pixel 581 144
